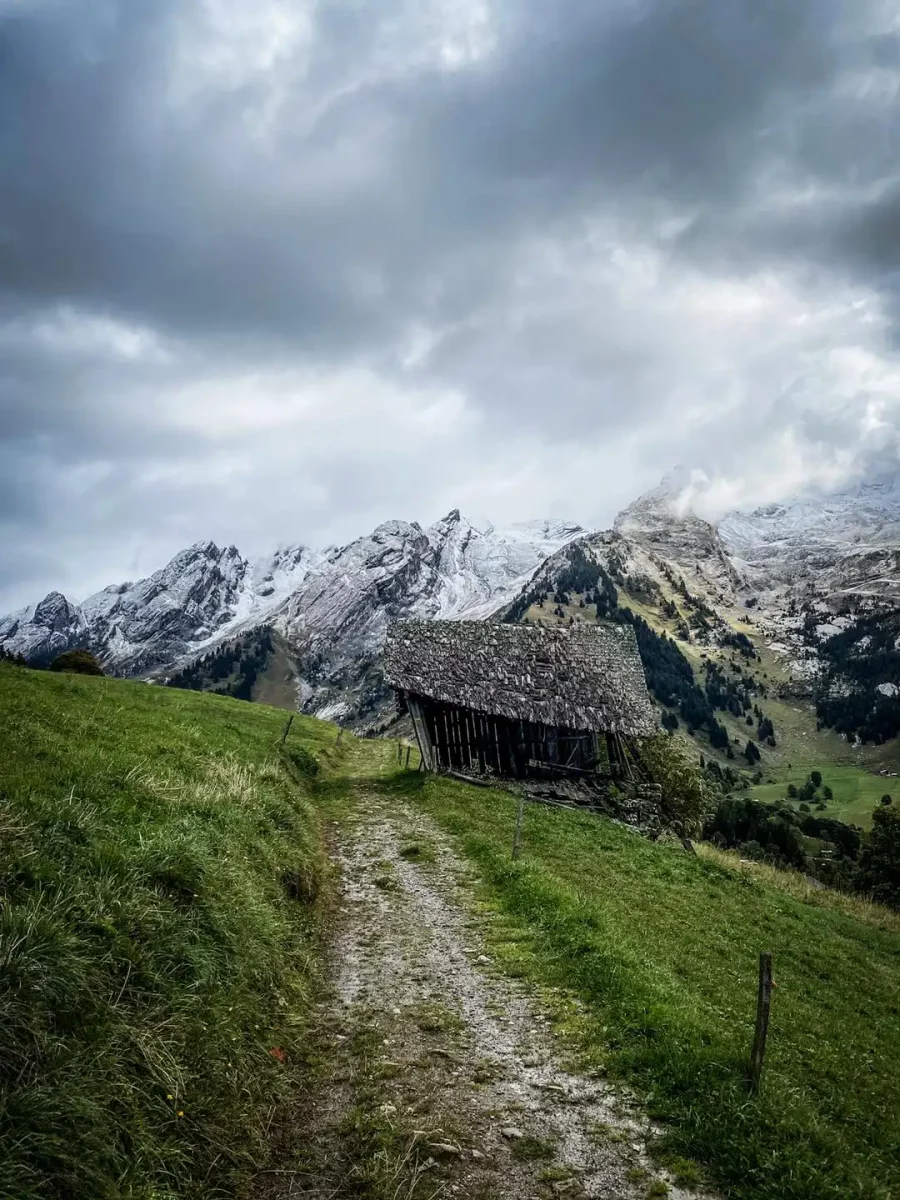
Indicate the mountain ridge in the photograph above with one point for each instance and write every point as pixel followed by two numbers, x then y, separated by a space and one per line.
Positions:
pixel 800 572
pixel 331 605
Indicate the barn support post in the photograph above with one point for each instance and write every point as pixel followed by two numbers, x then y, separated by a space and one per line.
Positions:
pixel 447 747
pixel 421 729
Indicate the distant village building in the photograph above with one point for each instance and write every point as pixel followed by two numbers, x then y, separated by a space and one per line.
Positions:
pixel 523 701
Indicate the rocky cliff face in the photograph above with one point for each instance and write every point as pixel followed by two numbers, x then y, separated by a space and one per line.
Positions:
pixel 659 526
pixel 331 608
pixel 820 575
pixel 134 627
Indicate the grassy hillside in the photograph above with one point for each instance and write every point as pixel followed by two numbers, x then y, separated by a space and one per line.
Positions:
pixel 157 859
pixel 856 793
pixel 159 855
pixel 661 950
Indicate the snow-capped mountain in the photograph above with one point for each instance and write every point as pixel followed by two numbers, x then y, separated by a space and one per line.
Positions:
pixel 841 545
pixel 332 607
pixel 846 544
pixel 661 523
pixel 807 568
pixel 865 516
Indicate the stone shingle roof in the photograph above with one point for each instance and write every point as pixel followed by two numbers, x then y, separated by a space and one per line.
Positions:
pixel 579 676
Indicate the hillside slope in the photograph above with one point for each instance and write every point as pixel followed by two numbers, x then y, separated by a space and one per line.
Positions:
pixel 157 857
pixel 651 955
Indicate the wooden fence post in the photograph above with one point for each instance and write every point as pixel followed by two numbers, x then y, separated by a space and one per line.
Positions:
pixel 337 740
pixel 517 835
pixel 287 728
pixel 408 752
pixel 763 1006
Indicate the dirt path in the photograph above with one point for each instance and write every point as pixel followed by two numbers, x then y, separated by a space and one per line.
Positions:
pixel 441 1076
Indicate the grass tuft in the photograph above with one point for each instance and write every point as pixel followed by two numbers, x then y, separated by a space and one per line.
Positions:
pixel 418 852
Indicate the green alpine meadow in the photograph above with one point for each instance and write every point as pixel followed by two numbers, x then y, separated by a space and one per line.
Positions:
pixel 167 901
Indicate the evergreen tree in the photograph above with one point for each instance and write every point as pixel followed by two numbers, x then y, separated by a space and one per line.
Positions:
pixel 879 861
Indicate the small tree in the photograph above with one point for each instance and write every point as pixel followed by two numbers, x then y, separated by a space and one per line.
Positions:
pixel 687 795
pixel 751 752
pixel 815 778
pixel 792 791
pixel 886 799
pixel 827 793
pixel 79 662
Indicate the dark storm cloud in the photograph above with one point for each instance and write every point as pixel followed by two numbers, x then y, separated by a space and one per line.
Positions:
pixel 203 200
pixel 115 195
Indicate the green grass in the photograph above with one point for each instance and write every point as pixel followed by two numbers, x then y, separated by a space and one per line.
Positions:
pixel 158 857
pixel 662 949
pixel 856 793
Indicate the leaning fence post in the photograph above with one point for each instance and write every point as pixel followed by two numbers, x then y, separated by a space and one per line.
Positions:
pixel 517 835
pixel 287 728
pixel 408 752
pixel 763 1005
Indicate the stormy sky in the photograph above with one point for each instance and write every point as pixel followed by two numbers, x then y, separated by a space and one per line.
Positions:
pixel 275 272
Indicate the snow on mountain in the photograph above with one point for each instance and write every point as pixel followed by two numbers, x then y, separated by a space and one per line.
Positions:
pixel 846 543
pixel 336 620
pixel 479 570
pixel 663 525
pixel 332 607
pixel 863 517
pixel 43 630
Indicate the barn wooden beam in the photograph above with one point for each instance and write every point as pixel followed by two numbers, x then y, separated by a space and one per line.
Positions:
pixel 421 729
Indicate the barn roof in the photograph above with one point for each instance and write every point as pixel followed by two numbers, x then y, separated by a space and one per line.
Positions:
pixel 578 676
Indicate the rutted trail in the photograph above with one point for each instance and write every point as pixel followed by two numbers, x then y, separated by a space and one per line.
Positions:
pixel 467 1069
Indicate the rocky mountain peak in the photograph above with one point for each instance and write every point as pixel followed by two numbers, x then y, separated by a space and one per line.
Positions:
pixel 667 504
pixel 54 612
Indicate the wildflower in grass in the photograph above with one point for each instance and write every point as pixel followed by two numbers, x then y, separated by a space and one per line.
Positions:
pixel 277 1053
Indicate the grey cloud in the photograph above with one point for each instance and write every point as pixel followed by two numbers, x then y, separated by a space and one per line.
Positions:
pixel 117 197
pixel 308 215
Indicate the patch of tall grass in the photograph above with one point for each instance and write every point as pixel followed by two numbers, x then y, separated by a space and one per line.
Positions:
pixel 158 859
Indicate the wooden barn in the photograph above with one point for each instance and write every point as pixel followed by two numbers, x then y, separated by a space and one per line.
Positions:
pixel 523 701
